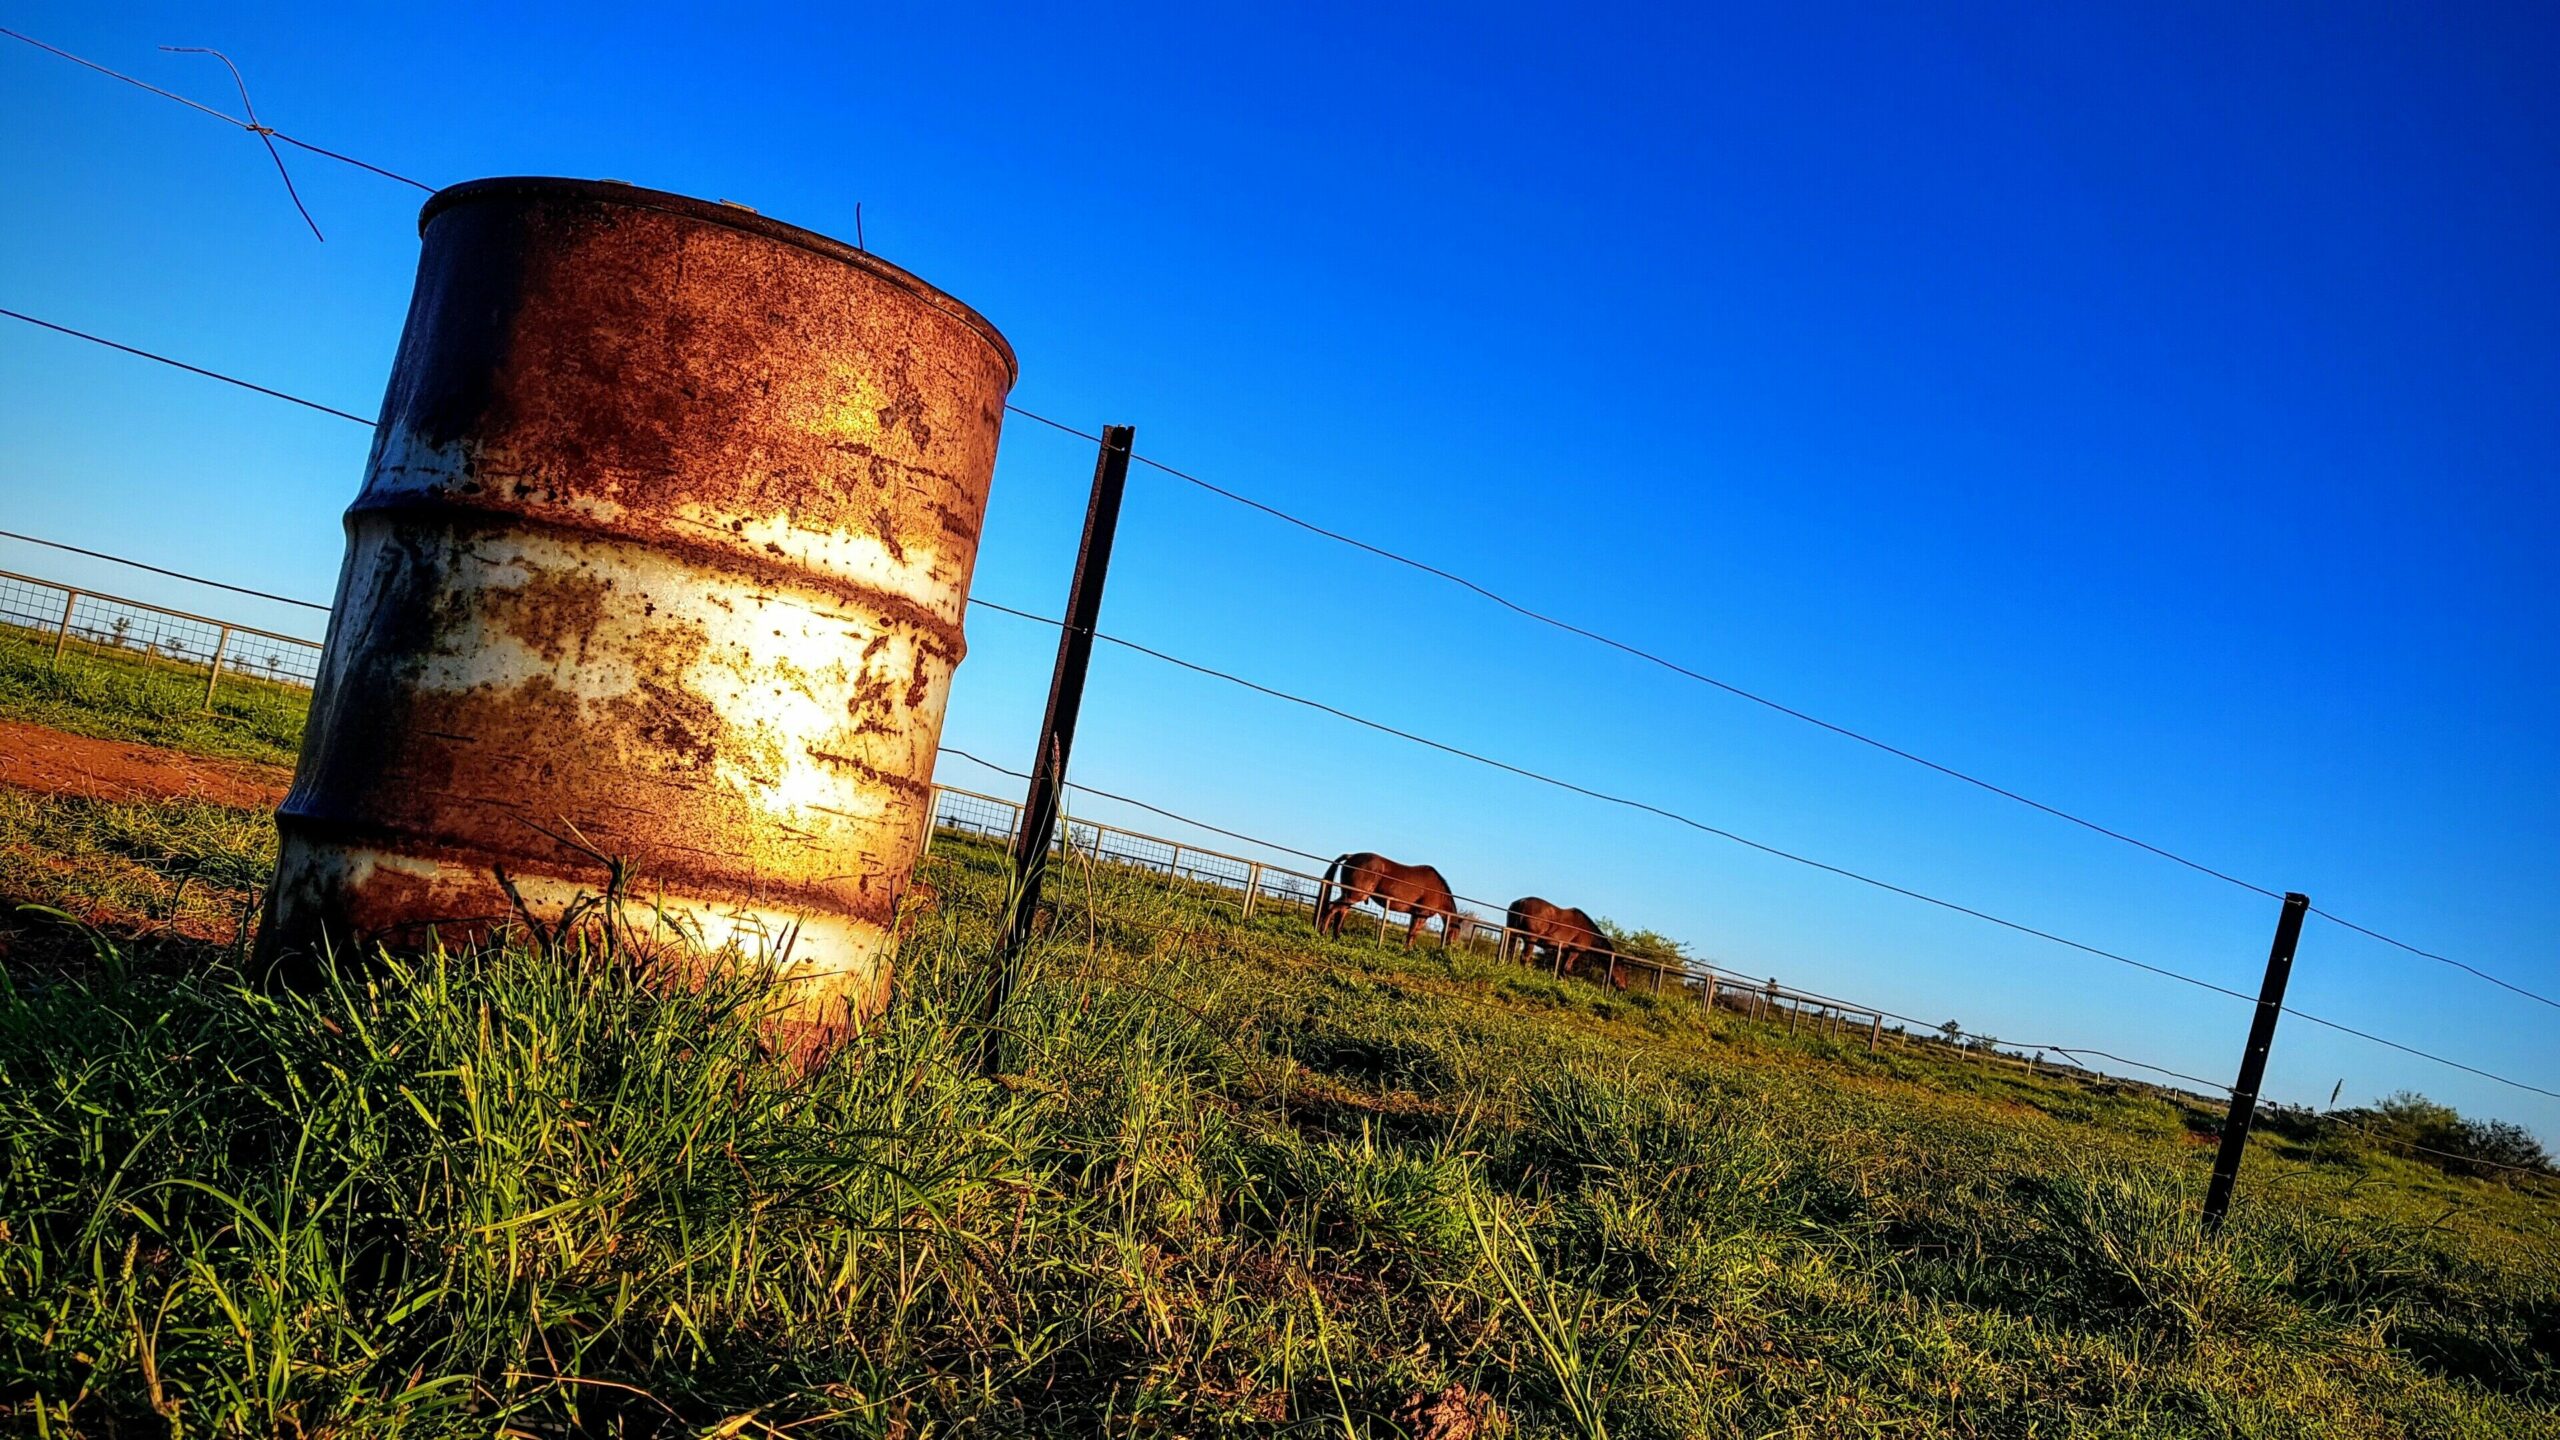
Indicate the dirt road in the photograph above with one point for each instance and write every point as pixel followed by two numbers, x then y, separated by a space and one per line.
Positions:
pixel 53 763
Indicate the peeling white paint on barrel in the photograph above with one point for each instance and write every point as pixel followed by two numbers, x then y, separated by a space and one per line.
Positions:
pixel 662 556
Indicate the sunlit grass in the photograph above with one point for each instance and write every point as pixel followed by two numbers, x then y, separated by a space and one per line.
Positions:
pixel 1223 1179
pixel 114 695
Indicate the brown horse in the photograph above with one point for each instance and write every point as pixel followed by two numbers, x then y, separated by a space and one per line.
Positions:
pixel 1569 934
pixel 1416 890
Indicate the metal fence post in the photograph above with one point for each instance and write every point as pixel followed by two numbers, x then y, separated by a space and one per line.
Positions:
pixel 63 635
pixel 1058 725
pixel 2253 1061
pixel 220 644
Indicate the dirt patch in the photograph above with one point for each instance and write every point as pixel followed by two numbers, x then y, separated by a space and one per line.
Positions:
pixel 53 763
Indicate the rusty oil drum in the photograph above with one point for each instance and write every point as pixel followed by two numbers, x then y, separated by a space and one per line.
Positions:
pixel 660 559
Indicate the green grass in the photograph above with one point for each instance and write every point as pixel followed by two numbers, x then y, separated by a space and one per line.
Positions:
pixel 184 865
pixel 1229 1179
pixel 114 695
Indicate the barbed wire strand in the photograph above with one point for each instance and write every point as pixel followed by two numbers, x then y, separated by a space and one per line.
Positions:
pixel 1643 806
pixel 1521 771
pixel 1341 538
pixel 2199 983
pixel 265 133
pixel 1688 967
pixel 251 125
pixel 190 369
pixel 159 570
pixel 1762 700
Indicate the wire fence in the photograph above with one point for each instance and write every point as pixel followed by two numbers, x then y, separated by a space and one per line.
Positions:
pixel 168 640
pixel 72 623
pixel 1262 887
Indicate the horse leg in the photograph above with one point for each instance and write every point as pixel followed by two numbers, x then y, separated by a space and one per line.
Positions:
pixel 1352 897
pixel 1413 927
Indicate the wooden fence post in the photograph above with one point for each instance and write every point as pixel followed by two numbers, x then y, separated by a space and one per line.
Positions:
pixel 1711 992
pixel 932 818
pixel 221 643
pixel 1252 887
pixel 1875 1031
pixel 63 635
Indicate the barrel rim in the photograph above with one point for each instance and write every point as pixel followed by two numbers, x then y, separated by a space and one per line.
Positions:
pixel 735 217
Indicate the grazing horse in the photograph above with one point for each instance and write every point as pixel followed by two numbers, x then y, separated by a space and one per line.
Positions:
pixel 1416 890
pixel 1569 934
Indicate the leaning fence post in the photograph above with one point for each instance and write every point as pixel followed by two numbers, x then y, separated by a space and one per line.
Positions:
pixel 1039 816
pixel 62 636
pixel 1252 887
pixel 1875 1032
pixel 1711 992
pixel 2253 1061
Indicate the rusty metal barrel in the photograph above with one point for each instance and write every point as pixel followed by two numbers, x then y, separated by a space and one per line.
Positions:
pixel 652 595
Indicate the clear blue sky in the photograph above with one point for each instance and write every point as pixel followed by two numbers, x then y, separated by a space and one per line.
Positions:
pixel 2152 411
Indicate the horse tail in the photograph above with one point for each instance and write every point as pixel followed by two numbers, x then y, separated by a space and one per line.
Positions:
pixel 1324 889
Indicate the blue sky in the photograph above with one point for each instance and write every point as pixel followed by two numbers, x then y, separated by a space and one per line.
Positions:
pixel 2152 410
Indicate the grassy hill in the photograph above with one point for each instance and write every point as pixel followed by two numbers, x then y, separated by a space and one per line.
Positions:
pixel 1226 1178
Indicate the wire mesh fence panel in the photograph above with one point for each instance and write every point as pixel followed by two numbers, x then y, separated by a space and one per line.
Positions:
pixel 1210 867
pixel 1287 887
pixel 31 604
pixel 130 630
pixel 966 813
pixel 259 657
pixel 1115 846
pixel 218 664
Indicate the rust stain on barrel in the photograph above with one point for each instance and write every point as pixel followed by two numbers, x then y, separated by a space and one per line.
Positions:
pixel 662 553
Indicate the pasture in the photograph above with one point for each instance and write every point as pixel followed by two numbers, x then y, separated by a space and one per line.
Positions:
pixel 1229 1179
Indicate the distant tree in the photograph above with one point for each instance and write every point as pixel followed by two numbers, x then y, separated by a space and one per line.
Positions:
pixel 2437 1134
pixel 1643 944
pixel 1953 1031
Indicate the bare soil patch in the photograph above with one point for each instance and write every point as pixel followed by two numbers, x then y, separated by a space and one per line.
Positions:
pixel 50 762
